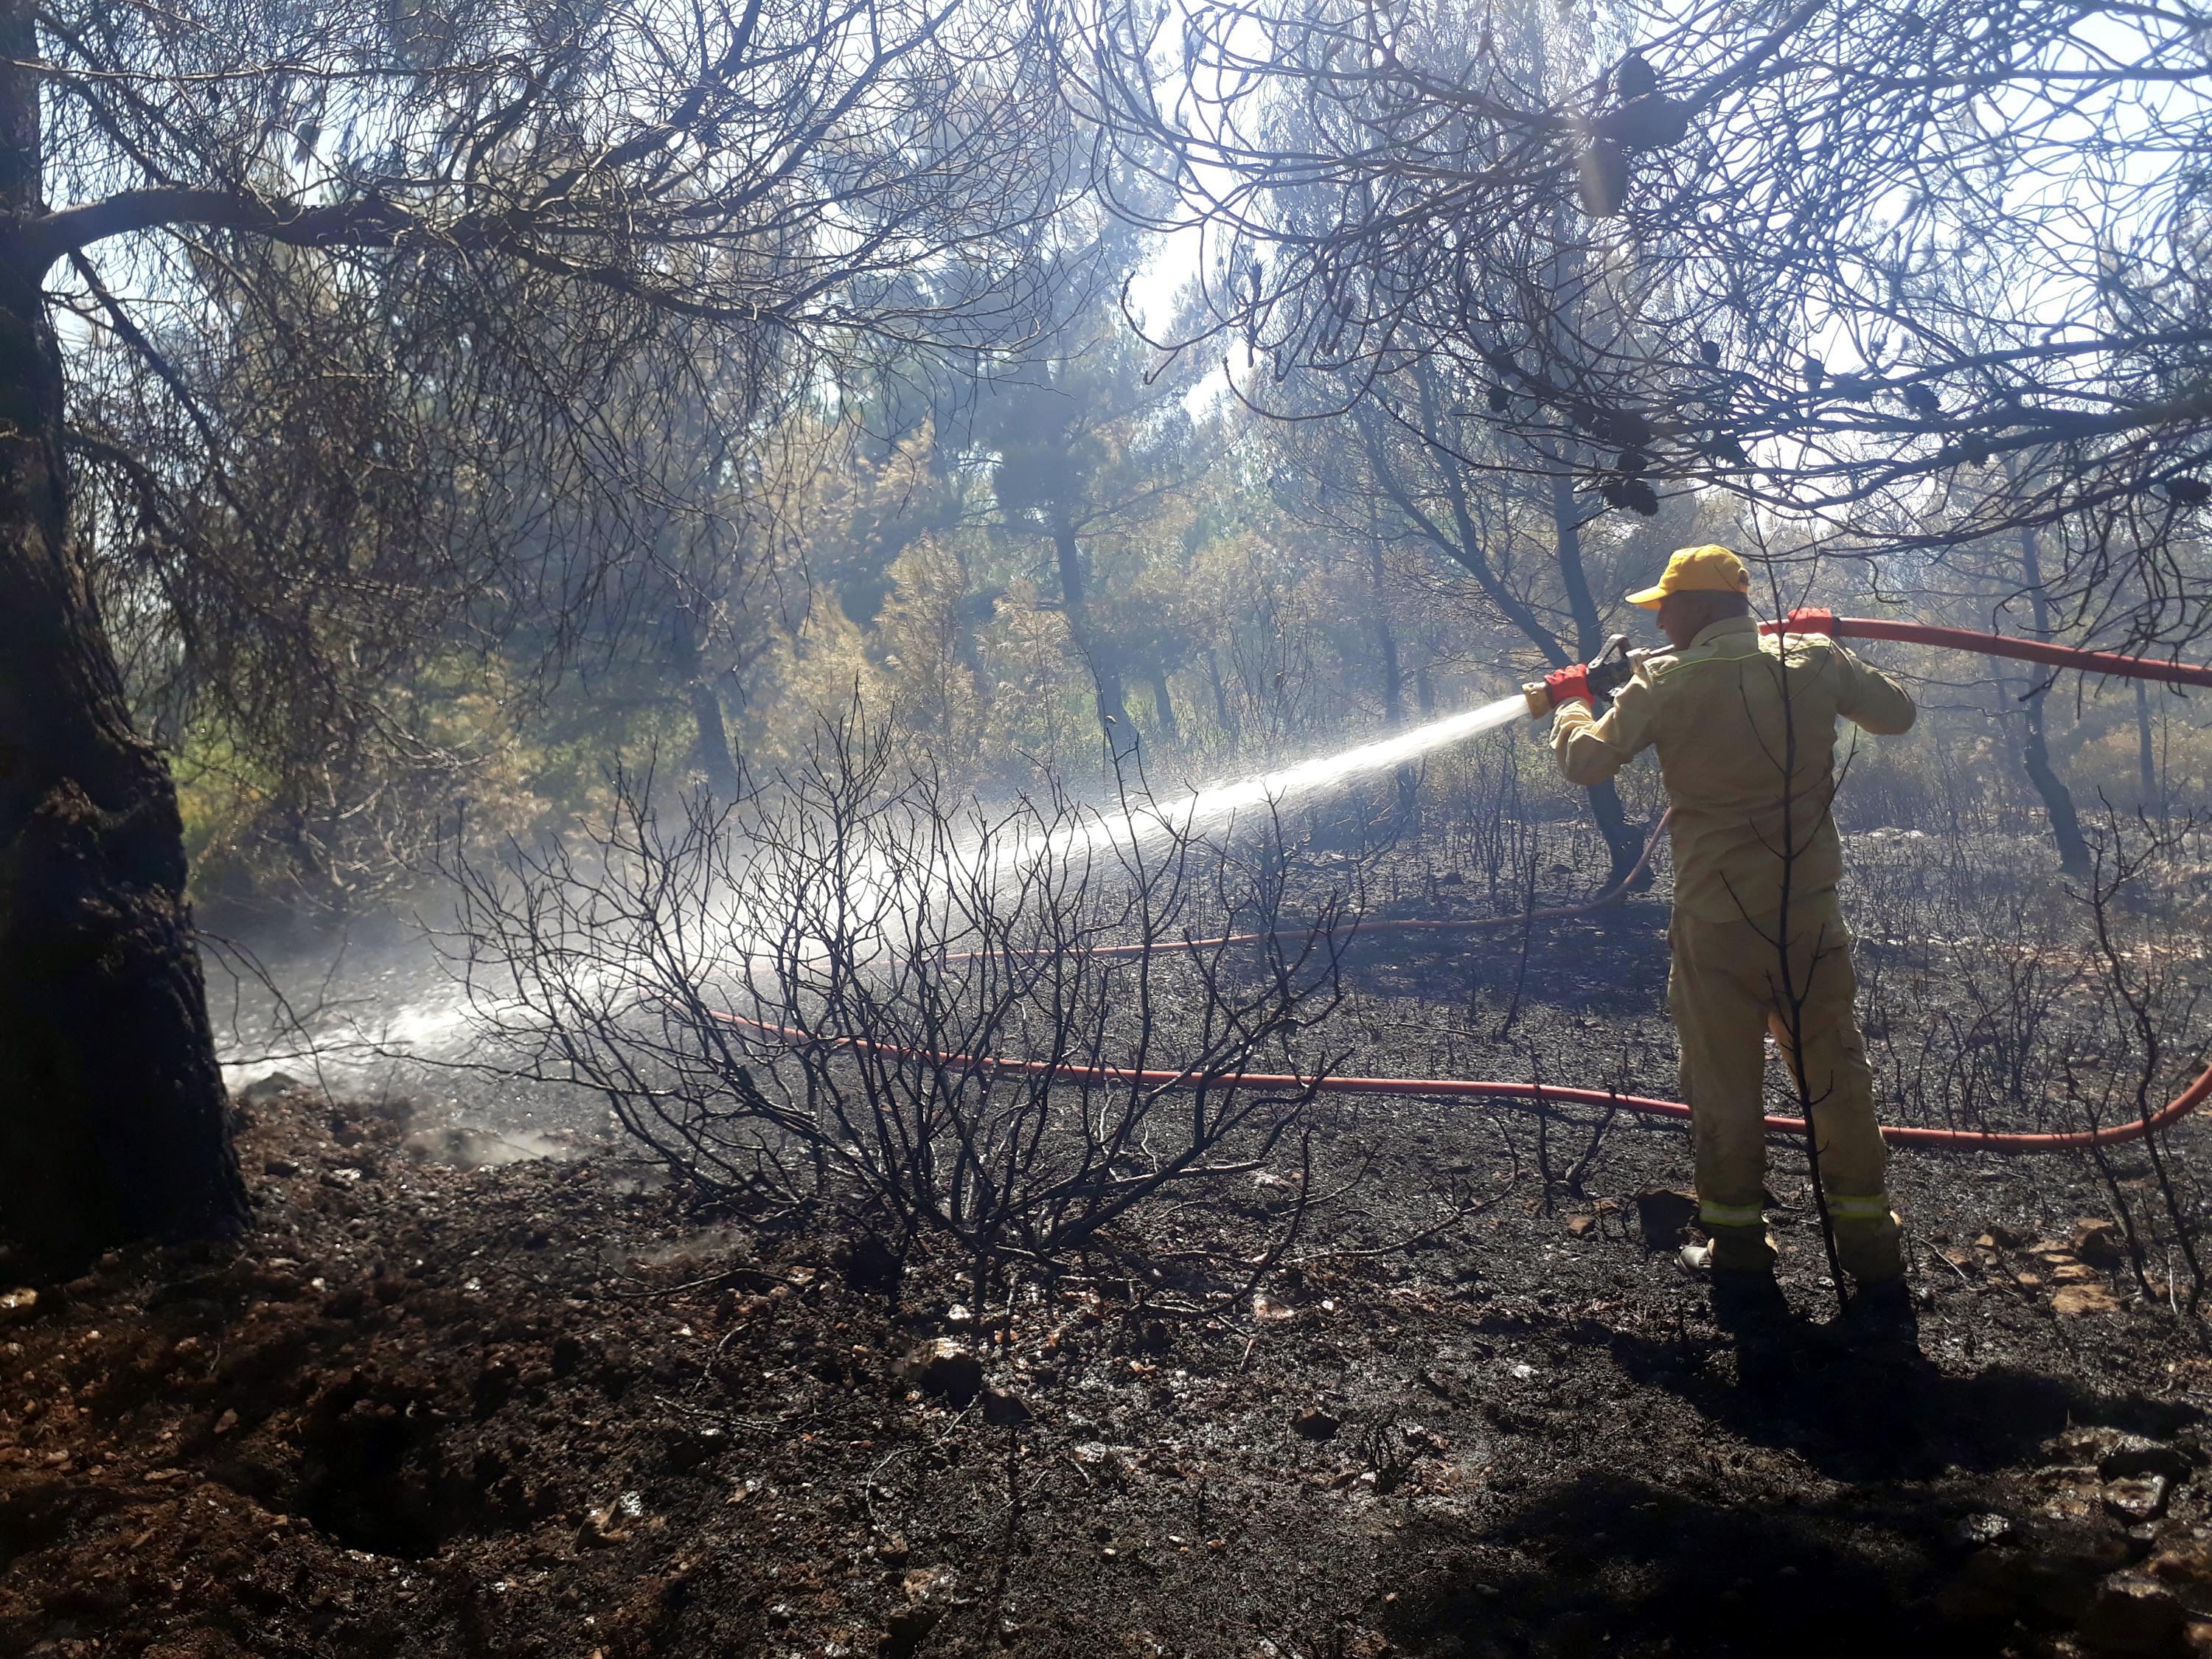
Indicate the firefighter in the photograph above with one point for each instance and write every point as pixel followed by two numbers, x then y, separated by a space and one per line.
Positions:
pixel 1746 731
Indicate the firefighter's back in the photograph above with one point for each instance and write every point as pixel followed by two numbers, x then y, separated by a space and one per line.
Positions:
pixel 1746 735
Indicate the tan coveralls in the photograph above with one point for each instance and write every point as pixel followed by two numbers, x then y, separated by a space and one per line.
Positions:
pixel 1752 860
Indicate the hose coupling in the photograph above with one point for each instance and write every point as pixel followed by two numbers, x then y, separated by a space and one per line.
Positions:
pixel 1601 676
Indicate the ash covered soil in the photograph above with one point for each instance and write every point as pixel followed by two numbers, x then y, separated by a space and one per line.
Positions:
pixel 554 1407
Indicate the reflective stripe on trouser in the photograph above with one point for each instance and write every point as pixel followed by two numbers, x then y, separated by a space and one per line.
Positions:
pixel 1740 1242
pixel 1726 992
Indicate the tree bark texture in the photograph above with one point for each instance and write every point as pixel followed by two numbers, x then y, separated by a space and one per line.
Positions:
pixel 113 1116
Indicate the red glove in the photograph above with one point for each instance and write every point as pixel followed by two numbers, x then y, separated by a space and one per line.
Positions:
pixel 1566 684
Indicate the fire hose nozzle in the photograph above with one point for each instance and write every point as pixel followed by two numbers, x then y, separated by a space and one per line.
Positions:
pixel 1601 676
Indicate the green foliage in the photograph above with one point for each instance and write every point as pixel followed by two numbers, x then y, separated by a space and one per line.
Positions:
pixel 1237 601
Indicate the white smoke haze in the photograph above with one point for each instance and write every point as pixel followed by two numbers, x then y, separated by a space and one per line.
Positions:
pixel 391 1020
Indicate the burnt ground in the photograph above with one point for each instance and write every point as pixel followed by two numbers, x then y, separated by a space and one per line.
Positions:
pixel 557 1409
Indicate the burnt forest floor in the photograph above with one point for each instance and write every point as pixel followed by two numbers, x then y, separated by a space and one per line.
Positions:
pixel 556 1409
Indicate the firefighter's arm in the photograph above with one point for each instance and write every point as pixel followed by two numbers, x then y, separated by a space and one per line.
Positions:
pixel 1871 700
pixel 1590 749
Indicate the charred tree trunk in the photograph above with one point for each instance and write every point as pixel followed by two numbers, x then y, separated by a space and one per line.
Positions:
pixel 714 760
pixel 2035 747
pixel 2058 799
pixel 1623 841
pixel 1221 710
pixel 710 743
pixel 112 1123
pixel 1113 722
pixel 2147 755
pixel 1163 707
pixel 1394 672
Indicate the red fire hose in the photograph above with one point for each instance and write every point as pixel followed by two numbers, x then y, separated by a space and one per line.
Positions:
pixel 1992 645
pixel 1951 1140
pixel 1798 622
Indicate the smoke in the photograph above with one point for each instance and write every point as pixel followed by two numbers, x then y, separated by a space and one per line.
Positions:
pixel 389 1023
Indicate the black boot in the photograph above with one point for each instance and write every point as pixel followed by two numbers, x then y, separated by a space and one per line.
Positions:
pixel 1882 1312
pixel 1748 1301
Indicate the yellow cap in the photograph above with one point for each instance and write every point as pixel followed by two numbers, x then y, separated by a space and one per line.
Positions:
pixel 1709 569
